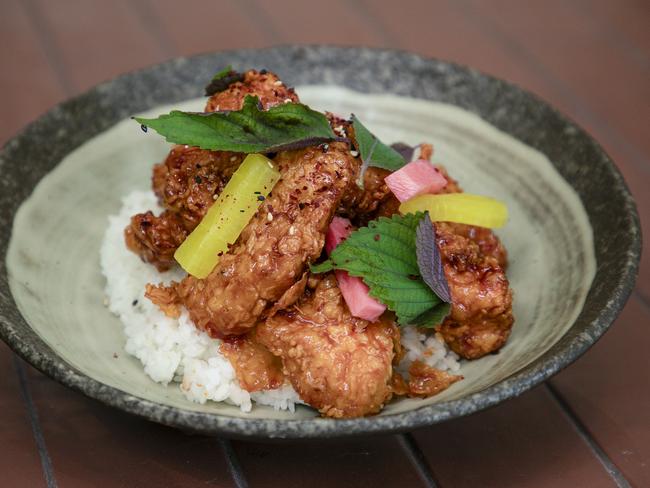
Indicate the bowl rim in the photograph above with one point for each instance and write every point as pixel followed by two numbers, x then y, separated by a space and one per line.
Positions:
pixel 29 346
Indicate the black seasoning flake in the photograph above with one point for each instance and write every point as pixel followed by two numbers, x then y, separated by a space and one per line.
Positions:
pixel 261 198
pixel 257 192
pixel 198 180
pixel 414 277
pixel 115 356
pixel 220 253
pixel 144 128
pixel 242 210
pixel 134 302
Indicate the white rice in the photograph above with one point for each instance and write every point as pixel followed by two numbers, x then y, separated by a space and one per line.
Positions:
pixel 174 351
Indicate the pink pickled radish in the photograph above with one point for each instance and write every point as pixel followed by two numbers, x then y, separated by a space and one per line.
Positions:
pixel 416 178
pixel 337 232
pixel 355 294
pixel 353 289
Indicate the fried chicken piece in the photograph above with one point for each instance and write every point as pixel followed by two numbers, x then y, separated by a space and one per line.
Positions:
pixel 186 183
pixel 155 239
pixel 190 179
pixel 360 204
pixel 265 85
pixel 481 314
pixel 270 255
pixel 338 364
pixel 194 178
pixel 255 367
pixel 426 381
pixel 486 240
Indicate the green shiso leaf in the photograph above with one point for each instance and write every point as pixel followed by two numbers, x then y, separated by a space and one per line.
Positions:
pixel 373 151
pixel 222 80
pixel 384 256
pixel 249 130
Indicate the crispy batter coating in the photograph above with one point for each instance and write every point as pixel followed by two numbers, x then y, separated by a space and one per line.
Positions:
pixel 264 84
pixel 255 367
pixel 155 239
pixel 481 312
pixel 194 178
pixel 361 204
pixel 287 233
pixel 338 364
pixel 190 179
pixel 426 381
pixel 186 183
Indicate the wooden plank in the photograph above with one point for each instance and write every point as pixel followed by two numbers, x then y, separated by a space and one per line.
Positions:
pixel 196 26
pixel 28 85
pixel 93 445
pixel 333 22
pixel 378 461
pixel 608 390
pixel 93 41
pixel 629 20
pixel 440 29
pixel 527 441
pixel 20 463
pixel 581 63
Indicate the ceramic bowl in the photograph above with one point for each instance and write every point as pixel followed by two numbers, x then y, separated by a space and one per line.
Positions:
pixel 573 236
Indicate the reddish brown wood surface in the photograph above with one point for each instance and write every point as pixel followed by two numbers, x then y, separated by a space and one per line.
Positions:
pixel 589 427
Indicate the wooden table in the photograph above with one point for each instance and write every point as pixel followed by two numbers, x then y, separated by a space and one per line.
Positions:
pixel 588 426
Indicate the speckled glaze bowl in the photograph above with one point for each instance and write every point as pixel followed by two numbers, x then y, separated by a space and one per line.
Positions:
pixel 573 239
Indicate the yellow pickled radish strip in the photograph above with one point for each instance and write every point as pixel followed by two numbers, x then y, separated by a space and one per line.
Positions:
pixel 227 217
pixel 462 208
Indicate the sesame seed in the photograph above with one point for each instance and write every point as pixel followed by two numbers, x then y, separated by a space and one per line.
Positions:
pixel 269 217
pixel 278 83
pixel 354 153
pixel 292 230
pixel 233 158
pixel 287 100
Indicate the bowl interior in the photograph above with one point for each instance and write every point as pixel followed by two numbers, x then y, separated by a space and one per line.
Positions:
pixel 53 257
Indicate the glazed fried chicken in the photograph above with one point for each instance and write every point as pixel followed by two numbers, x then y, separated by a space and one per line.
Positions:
pixel 423 381
pixel 256 368
pixel 286 234
pixel 481 312
pixel 186 184
pixel 337 363
pixel 263 84
pixel 190 179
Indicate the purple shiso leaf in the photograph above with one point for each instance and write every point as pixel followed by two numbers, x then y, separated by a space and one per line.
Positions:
pixel 429 260
pixel 406 151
